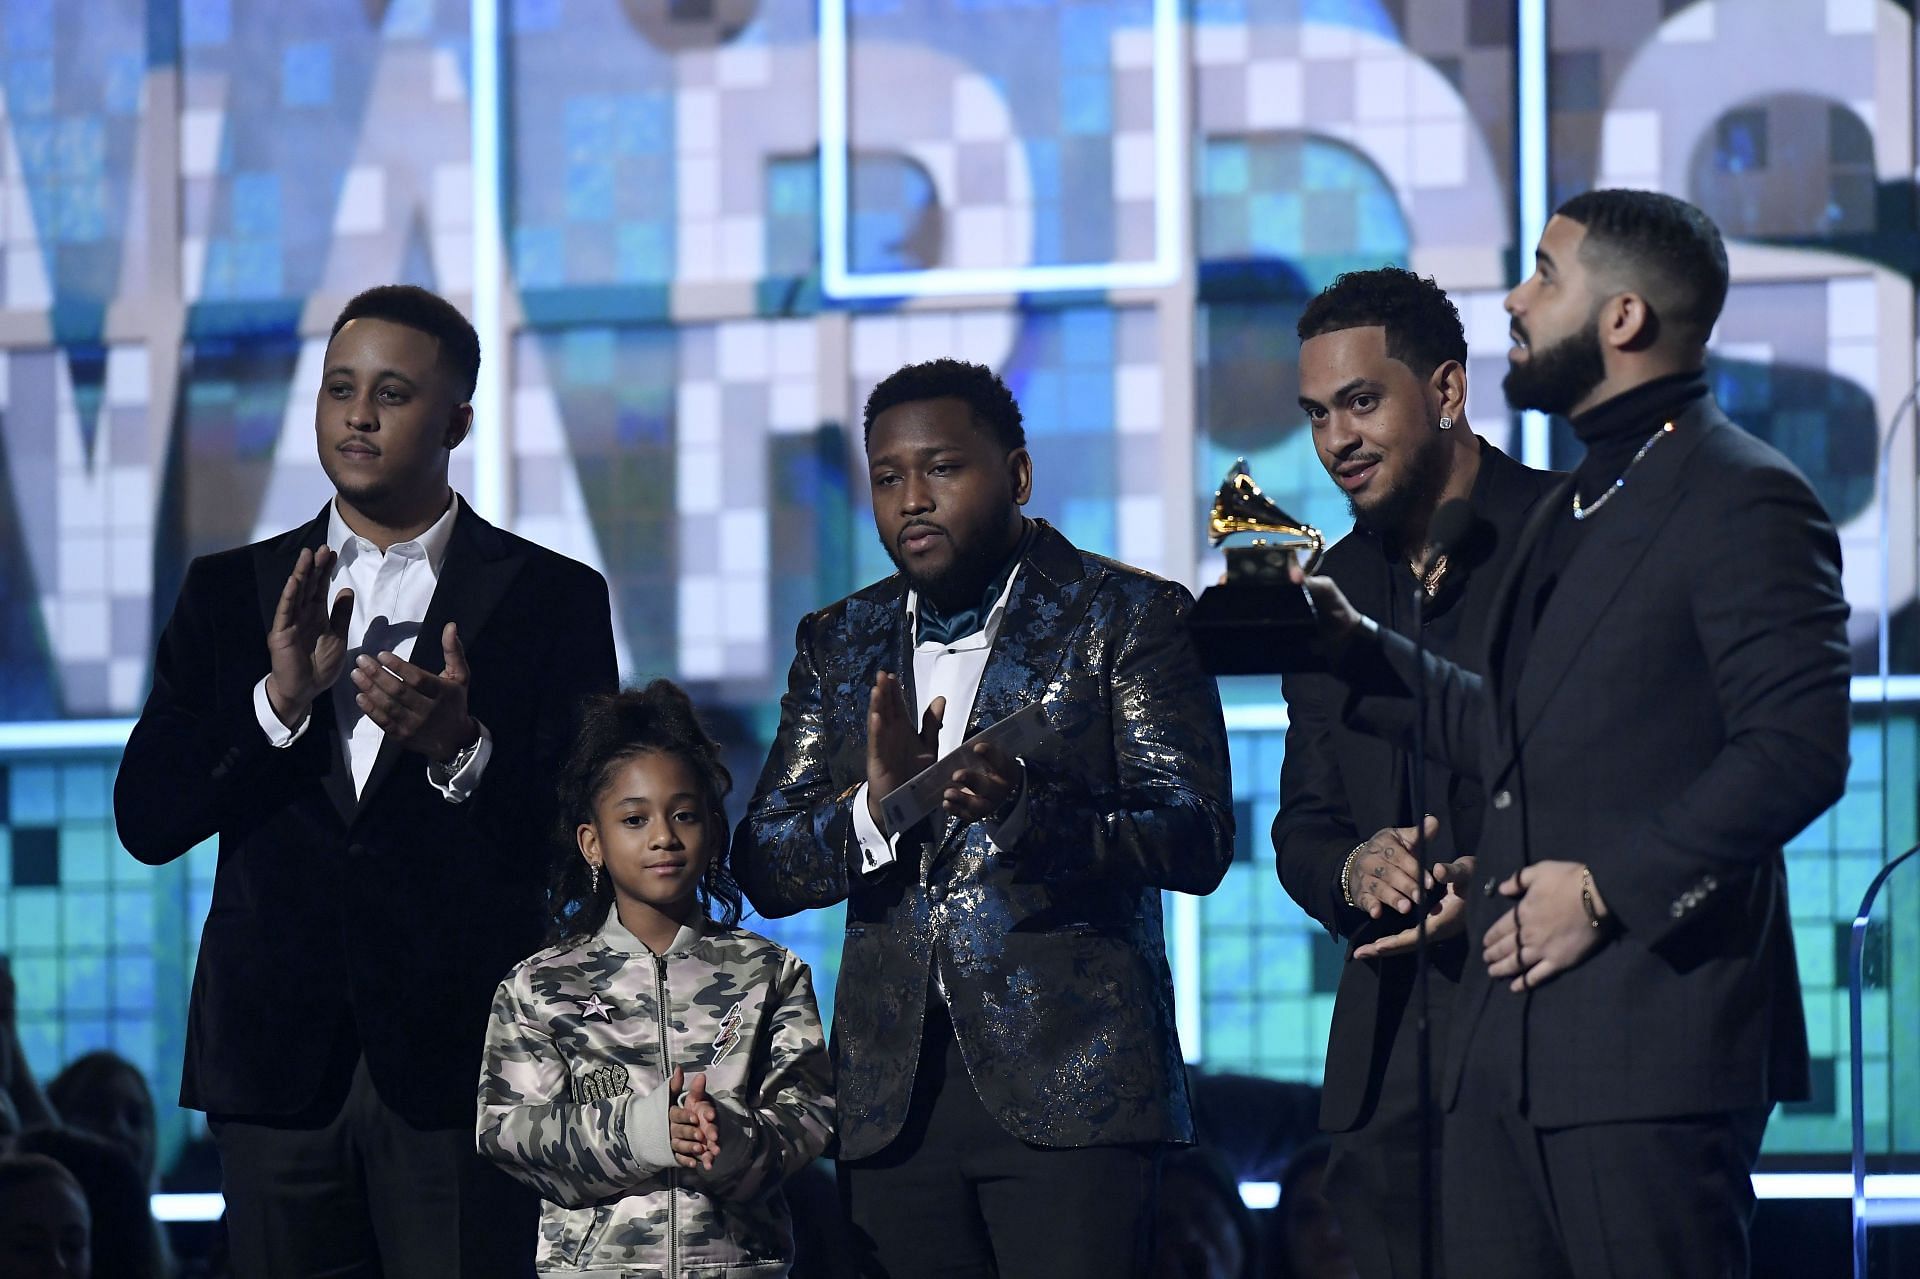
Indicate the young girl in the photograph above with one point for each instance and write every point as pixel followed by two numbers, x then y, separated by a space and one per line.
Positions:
pixel 661 1071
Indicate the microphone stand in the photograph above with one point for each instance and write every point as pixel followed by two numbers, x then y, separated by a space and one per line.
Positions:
pixel 1423 1026
pixel 1447 535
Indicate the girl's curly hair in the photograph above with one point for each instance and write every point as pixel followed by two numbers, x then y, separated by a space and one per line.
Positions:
pixel 615 727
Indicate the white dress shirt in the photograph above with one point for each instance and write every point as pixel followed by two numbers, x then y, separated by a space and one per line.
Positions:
pixel 951 671
pixel 391 593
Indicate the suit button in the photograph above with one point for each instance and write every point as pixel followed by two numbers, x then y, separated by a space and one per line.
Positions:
pixel 1708 884
pixel 1503 800
pixel 1676 910
pixel 1490 887
pixel 356 850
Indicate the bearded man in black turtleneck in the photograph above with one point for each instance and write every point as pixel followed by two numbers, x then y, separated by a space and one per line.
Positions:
pixel 1665 706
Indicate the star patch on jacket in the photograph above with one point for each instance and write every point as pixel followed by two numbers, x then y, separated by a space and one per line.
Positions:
pixel 729 1033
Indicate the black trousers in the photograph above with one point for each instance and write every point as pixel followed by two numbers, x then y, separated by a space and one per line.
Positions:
pixel 1372 1179
pixel 1631 1200
pixel 955 1195
pixel 1372 1182
pixel 362 1194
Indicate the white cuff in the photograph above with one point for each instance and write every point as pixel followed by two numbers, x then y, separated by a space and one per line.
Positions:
pixel 877 851
pixel 1008 833
pixel 645 1122
pixel 277 733
pixel 458 786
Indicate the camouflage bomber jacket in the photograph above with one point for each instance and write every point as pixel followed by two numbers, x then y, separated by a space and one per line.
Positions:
pixel 581 1039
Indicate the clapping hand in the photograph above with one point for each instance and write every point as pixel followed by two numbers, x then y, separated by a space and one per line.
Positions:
pixel 422 711
pixel 895 751
pixel 1386 874
pixel 308 640
pixel 1446 914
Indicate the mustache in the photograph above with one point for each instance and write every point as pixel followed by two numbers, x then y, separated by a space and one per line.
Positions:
pixel 919 526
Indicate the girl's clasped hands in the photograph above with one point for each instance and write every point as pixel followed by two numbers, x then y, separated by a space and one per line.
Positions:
pixel 693 1122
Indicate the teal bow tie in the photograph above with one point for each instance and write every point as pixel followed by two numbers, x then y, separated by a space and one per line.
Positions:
pixel 935 627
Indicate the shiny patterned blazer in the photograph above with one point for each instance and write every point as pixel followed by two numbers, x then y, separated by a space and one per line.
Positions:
pixel 1051 953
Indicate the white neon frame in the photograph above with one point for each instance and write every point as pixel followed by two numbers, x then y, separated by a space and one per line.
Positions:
pixel 1896 1194
pixel 838 281
pixel 1535 181
pixel 492 460
pixel 492 448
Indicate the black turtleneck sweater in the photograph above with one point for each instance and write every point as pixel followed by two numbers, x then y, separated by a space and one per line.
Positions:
pixel 1613 432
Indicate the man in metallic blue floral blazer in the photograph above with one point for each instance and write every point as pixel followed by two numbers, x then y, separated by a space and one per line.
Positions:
pixel 1004 1036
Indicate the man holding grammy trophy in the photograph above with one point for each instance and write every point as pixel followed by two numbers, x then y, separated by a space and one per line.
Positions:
pixel 1383 387
pixel 1664 706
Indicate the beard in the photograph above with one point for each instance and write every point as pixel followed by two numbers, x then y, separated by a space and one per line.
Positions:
pixel 958 583
pixel 1390 514
pixel 1558 377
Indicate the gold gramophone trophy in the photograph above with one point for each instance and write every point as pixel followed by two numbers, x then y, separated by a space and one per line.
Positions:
pixel 1257 622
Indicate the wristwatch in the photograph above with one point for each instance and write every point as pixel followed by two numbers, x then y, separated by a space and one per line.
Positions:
pixel 464 756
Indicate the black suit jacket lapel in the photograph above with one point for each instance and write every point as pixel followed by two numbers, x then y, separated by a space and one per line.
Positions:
pixel 273 563
pixel 1499 622
pixel 1604 563
pixel 479 567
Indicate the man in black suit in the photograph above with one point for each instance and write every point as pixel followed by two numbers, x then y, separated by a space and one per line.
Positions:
pixel 1384 385
pixel 1665 705
pixel 368 711
pixel 1004 1036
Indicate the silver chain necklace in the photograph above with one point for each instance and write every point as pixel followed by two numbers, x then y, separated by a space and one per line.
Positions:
pixel 1587 512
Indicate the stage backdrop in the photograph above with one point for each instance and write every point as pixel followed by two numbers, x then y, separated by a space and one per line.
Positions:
pixel 1119 204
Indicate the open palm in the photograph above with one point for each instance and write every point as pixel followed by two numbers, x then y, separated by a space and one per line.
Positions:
pixel 1446 915
pixel 308 641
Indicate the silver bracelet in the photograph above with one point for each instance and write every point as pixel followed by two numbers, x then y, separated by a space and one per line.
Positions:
pixel 1346 874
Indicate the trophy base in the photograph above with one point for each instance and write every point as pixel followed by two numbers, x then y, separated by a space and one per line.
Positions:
pixel 1255 626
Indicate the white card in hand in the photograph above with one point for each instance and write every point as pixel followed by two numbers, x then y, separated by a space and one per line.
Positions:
pixel 1017 734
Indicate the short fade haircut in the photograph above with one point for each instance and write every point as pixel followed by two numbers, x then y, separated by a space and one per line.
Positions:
pixel 417 308
pixel 1660 247
pixel 1422 324
pixel 993 407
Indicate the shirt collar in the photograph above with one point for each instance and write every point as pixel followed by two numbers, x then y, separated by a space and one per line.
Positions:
pixel 993 614
pixel 1626 417
pixel 615 935
pixel 431 544
pixel 1011 570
